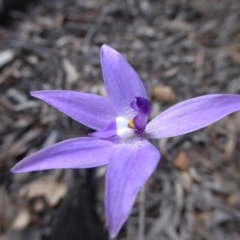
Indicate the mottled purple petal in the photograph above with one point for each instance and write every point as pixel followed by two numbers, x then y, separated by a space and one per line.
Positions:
pixel 73 153
pixel 121 81
pixel 130 166
pixel 193 114
pixel 143 108
pixel 91 110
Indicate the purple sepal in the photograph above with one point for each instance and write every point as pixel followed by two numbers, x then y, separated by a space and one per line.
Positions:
pixel 143 108
pixel 89 109
pixel 130 165
pixel 121 81
pixel 192 114
pixel 109 131
pixel 73 153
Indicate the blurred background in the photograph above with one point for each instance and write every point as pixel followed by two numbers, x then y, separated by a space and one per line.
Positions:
pixel 181 49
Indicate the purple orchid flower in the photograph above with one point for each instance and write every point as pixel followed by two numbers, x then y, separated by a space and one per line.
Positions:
pixel 121 133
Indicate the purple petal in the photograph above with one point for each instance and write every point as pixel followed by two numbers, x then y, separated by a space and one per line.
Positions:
pixel 192 114
pixel 91 110
pixel 130 166
pixel 73 153
pixel 109 131
pixel 121 81
pixel 143 108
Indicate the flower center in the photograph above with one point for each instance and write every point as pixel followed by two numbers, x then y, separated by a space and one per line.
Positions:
pixel 131 123
pixel 127 128
pixel 123 129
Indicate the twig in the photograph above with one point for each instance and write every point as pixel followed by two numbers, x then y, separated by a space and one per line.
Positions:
pixel 91 32
pixel 141 229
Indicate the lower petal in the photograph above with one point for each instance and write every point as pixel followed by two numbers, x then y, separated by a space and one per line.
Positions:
pixel 130 166
pixel 73 153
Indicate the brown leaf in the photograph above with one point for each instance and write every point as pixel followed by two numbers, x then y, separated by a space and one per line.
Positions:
pixel 52 191
pixel 164 93
pixel 182 161
pixel 171 72
pixel 234 199
pixel 22 219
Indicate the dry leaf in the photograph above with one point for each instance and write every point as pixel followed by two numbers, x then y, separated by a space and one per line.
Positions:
pixel 71 72
pixel 171 72
pixel 6 57
pixel 182 161
pixel 164 93
pixel 187 177
pixel 51 191
pixel 22 219
pixel 234 199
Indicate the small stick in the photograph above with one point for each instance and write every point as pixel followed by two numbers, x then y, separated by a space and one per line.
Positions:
pixel 141 229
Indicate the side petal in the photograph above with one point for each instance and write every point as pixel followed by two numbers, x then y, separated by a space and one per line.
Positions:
pixel 193 114
pixel 121 81
pixel 91 110
pixel 130 166
pixel 73 153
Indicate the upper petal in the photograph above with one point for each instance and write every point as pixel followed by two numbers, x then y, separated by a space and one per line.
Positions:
pixel 121 81
pixel 91 110
pixel 193 114
pixel 73 153
pixel 130 166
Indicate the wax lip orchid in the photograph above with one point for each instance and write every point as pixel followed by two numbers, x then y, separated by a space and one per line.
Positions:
pixel 121 133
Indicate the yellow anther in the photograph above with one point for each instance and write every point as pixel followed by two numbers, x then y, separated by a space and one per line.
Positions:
pixel 131 123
